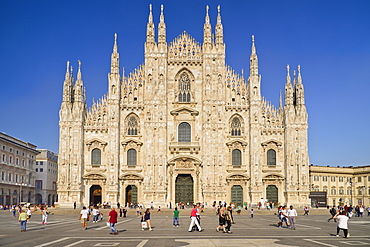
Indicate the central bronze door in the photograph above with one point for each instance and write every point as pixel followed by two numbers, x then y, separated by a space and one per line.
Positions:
pixel 131 194
pixel 272 193
pixel 237 194
pixel 184 188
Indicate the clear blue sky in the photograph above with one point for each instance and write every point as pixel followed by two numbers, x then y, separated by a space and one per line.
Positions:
pixel 329 39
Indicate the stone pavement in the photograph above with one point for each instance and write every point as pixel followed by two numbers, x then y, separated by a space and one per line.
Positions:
pixel 64 229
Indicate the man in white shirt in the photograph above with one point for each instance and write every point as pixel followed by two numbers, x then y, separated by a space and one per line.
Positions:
pixel 292 215
pixel 84 216
pixel 95 213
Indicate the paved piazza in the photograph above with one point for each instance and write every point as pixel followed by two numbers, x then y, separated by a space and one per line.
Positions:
pixel 64 229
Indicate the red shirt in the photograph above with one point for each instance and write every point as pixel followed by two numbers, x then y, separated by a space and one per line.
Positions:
pixel 113 216
pixel 194 212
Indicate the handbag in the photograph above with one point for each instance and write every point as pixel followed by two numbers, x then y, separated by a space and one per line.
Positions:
pixel 108 224
pixel 144 224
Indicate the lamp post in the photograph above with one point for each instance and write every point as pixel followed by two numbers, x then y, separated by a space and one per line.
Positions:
pixel 350 184
pixel 363 195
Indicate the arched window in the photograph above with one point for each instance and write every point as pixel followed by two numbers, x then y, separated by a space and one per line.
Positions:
pixel 131 157
pixel 184 132
pixel 132 126
pixel 96 157
pixel 184 88
pixel 236 127
pixel 236 157
pixel 271 157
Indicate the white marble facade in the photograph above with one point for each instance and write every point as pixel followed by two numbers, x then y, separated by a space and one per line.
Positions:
pixel 183 126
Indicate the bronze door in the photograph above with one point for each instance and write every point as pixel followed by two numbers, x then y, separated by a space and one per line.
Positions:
pixel 184 188
pixel 237 195
pixel 272 193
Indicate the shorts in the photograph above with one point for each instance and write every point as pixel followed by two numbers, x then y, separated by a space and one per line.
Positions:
pixel 83 220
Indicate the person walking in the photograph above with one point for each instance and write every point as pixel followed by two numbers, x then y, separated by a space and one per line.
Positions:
pixel 176 217
pixel 333 212
pixel 45 215
pixel 146 218
pixel 23 220
pixel 228 219
pixel 221 219
pixel 292 215
pixel 306 210
pixel 124 212
pixel 194 220
pixel 29 214
pixel 112 220
pixel 84 215
pixel 342 223
pixel 95 213
pixel 252 212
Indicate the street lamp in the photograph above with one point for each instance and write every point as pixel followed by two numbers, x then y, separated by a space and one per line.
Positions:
pixel 363 194
pixel 351 184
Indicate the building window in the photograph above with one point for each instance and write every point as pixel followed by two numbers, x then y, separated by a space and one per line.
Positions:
pixel 341 191
pixel 271 157
pixel 359 179
pixel 184 88
pixel 324 178
pixel 184 132
pixel 316 178
pixel 349 191
pixel 41 169
pixel 41 163
pixel 236 127
pixel 332 178
pixel 236 157
pixel 10 159
pixel 16 178
pixel 132 126
pixel 340 179
pixel 349 180
pixel 37 169
pixel 38 184
pixel 2 175
pixel 131 157
pixel 9 177
pixel 4 158
pixel 333 191
pixel 96 157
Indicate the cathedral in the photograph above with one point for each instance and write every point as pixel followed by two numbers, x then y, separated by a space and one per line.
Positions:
pixel 183 127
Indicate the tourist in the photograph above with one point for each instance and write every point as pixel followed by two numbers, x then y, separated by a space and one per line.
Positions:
pixel 112 220
pixel 306 210
pixel 333 212
pixel 176 217
pixel 23 220
pixel 342 223
pixel 194 219
pixel 29 213
pixel 84 216
pixel 228 219
pixel 221 219
pixel 95 213
pixel 252 212
pixel 45 215
pixel 292 215
pixel 146 218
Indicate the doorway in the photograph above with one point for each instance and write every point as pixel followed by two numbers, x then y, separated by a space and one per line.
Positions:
pixel 95 194
pixel 237 195
pixel 184 188
pixel 131 194
pixel 272 194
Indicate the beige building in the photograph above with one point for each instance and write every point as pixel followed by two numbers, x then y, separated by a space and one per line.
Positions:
pixel 343 185
pixel 183 127
pixel 46 171
pixel 17 176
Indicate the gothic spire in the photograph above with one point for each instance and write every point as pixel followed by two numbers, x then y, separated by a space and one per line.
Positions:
pixel 253 60
pixel 78 87
pixel 207 30
pixel 219 28
pixel 67 86
pixel 150 27
pixel 288 88
pixel 161 28
pixel 114 65
pixel 299 89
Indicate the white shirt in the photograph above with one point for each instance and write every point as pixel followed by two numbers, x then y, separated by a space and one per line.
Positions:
pixel 342 221
pixel 292 212
pixel 84 213
pixel 95 211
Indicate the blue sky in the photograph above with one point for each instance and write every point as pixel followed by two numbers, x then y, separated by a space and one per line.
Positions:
pixel 329 39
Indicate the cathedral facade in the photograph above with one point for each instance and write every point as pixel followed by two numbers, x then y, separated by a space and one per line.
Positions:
pixel 183 127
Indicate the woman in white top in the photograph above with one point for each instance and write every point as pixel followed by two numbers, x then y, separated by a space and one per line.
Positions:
pixel 342 223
